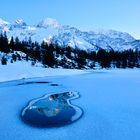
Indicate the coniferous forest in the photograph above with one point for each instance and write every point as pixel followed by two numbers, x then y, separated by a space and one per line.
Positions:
pixel 51 55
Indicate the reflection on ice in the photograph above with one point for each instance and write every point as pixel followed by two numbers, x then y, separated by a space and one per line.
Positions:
pixel 52 110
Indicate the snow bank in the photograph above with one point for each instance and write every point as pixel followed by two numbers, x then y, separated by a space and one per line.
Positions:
pixel 23 69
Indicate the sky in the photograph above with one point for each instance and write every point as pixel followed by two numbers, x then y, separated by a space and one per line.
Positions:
pixel 121 15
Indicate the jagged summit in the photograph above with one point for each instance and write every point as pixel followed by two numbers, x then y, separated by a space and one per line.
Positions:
pixel 19 22
pixel 48 22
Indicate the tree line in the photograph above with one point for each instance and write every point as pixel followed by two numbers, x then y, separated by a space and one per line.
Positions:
pixel 52 55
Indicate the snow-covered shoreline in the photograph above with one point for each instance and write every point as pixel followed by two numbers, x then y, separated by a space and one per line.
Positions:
pixel 23 69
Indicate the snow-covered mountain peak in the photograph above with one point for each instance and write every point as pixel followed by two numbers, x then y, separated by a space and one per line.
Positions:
pixel 49 22
pixel 49 30
pixel 113 34
pixel 19 23
pixel 3 22
pixel 118 34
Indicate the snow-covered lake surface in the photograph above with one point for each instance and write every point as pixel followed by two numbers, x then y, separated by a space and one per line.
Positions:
pixel 110 100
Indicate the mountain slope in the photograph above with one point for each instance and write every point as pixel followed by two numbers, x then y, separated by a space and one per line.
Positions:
pixel 49 30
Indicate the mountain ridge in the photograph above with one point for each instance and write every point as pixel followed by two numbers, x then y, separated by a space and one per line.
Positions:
pixel 50 30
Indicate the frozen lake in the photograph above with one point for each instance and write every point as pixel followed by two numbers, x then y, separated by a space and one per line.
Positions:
pixel 110 100
pixel 52 110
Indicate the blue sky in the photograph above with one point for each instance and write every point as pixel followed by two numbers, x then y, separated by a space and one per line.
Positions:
pixel 123 15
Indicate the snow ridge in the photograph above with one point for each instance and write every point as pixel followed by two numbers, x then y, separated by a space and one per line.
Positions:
pixel 48 22
pixel 19 22
pixel 3 22
pixel 65 35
